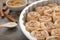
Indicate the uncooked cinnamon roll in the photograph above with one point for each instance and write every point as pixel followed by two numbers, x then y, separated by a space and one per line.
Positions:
pixel 57 8
pixel 49 12
pixel 46 8
pixel 53 38
pixel 32 25
pixel 40 34
pixel 40 10
pixel 55 32
pixel 57 23
pixel 47 26
pixel 33 16
pixel 52 5
pixel 56 16
pixel 45 19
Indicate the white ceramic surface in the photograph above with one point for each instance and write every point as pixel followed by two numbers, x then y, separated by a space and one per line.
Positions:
pixel 29 8
pixel 16 8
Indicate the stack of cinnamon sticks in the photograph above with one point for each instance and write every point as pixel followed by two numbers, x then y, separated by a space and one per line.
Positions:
pixel 3 14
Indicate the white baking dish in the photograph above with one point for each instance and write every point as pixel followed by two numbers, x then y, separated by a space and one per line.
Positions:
pixel 29 8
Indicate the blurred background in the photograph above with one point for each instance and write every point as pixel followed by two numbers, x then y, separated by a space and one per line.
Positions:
pixel 14 33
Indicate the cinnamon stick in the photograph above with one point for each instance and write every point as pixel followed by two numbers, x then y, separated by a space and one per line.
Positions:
pixel 1 13
pixel 4 3
pixel 10 17
pixel 4 8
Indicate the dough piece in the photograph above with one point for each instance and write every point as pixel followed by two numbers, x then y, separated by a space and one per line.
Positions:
pixel 57 23
pixel 57 8
pixel 33 16
pixel 40 10
pixel 53 38
pixel 47 26
pixel 52 5
pixel 48 12
pixel 56 16
pixel 45 19
pixel 40 34
pixel 55 32
pixel 32 25
pixel 46 8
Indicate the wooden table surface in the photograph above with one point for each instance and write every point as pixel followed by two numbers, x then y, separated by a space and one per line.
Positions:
pixel 10 34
